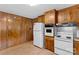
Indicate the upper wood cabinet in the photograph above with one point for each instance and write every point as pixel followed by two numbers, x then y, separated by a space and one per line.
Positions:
pixel 41 19
pixel 64 16
pixel 60 17
pixel 50 17
pixel 70 14
pixel 75 13
pixel 35 20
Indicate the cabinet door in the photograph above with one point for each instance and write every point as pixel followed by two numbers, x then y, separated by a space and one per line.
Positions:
pixel 46 43
pixel 60 17
pixel 35 20
pixel 49 43
pixel 41 18
pixel 64 16
pixel 52 44
pixel 17 29
pixel 50 17
pixel 0 33
pixel 76 47
pixel 75 14
pixel 67 16
pixel 10 38
pixel 13 30
pixel 23 30
pixel 29 30
pixel 3 30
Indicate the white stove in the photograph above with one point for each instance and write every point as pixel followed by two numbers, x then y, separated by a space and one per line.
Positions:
pixel 64 40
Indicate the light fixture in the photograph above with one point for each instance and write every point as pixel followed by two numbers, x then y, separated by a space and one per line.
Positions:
pixel 33 4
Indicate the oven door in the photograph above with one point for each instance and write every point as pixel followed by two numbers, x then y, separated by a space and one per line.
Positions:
pixel 49 31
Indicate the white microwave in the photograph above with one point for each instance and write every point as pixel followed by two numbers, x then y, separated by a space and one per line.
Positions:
pixel 49 31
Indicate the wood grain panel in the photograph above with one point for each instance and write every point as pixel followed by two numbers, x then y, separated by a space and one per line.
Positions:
pixel 75 14
pixel 49 43
pixel 50 17
pixel 76 48
pixel 70 14
pixel 41 19
pixel 0 33
pixel 3 32
pixel 23 30
pixel 29 30
pixel 14 30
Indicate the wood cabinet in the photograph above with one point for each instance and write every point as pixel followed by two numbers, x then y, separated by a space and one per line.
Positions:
pixel 14 30
pixel 28 29
pixel 3 30
pixel 41 19
pixel 50 17
pixel 75 13
pixel 23 30
pixel 64 16
pixel 49 43
pixel 76 47
pixel 35 20
pixel 70 14
pixel 0 33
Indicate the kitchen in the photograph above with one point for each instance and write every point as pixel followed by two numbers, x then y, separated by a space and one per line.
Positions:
pixel 56 32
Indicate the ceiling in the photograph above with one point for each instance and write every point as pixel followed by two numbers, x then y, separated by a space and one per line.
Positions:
pixel 30 11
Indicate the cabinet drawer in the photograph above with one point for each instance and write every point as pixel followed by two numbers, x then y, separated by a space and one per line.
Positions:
pixel 61 52
pixel 64 45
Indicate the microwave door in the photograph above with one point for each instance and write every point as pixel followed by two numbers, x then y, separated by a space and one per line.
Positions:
pixel 48 30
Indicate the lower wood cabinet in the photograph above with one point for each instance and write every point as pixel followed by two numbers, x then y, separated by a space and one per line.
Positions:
pixel 76 47
pixel 49 43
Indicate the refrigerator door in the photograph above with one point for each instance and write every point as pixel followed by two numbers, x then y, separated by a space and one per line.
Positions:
pixel 38 32
pixel 38 26
pixel 38 39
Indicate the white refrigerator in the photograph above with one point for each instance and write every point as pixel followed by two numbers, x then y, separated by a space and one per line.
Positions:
pixel 38 34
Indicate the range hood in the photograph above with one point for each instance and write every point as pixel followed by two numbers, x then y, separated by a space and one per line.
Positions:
pixel 49 25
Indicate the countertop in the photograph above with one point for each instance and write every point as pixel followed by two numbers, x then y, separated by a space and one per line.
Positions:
pixel 77 39
pixel 49 36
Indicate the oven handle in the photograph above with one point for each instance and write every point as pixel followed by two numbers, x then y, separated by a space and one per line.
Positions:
pixel 58 36
pixel 68 37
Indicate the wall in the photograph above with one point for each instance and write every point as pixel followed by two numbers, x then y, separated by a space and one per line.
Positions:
pixel 14 30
